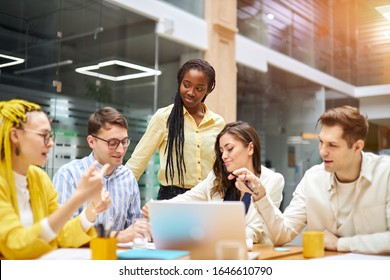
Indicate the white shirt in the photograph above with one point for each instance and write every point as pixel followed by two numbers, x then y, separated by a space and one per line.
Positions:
pixel 272 181
pixel 345 194
pixel 23 194
pixel 314 204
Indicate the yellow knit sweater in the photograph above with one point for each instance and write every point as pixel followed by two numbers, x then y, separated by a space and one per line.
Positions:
pixel 19 242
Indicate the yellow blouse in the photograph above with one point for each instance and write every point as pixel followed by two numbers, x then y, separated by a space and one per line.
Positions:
pixel 19 242
pixel 198 148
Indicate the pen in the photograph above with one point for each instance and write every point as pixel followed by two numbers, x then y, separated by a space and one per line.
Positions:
pixel 100 230
pixel 245 182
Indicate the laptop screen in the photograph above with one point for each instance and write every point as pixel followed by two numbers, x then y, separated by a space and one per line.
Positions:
pixel 197 226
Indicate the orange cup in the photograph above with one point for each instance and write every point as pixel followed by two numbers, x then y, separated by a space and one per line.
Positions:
pixel 313 244
pixel 103 248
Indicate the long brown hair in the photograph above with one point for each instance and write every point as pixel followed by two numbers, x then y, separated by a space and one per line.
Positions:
pixel 244 133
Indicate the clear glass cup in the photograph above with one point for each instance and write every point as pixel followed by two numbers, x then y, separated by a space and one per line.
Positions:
pixel 141 238
pixel 230 250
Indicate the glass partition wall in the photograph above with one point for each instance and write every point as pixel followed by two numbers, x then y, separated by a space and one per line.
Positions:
pixel 82 55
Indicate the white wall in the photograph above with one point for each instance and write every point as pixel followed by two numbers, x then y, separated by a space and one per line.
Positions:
pixel 376 107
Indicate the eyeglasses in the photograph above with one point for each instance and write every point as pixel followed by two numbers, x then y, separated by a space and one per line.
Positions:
pixel 46 136
pixel 113 143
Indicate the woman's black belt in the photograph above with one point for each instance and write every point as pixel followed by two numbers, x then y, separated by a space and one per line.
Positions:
pixel 176 189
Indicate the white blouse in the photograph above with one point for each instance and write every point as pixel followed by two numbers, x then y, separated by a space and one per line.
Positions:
pixel 23 194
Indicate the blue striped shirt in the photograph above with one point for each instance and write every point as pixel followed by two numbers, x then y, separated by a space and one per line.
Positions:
pixel 121 184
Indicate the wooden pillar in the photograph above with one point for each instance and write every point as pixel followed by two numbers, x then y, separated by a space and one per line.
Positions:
pixel 221 17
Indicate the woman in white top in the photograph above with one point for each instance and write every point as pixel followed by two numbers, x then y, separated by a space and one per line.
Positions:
pixel 237 146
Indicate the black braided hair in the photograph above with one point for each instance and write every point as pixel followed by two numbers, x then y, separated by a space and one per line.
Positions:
pixel 175 122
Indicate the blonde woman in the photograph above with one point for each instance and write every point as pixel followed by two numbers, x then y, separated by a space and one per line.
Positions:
pixel 31 221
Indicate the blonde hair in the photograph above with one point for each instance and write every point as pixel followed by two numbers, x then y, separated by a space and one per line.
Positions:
pixel 12 113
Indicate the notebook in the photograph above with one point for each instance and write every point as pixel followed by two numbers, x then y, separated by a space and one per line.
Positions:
pixel 148 254
pixel 197 226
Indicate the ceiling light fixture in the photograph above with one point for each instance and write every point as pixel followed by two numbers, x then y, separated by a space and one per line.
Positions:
pixel 384 10
pixel 270 16
pixel 145 71
pixel 42 67
pixel 15 60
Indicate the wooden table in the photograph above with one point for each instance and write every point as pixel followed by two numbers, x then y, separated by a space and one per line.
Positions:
pixel 268 252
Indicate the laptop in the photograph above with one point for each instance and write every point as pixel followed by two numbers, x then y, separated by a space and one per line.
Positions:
pixel 197 227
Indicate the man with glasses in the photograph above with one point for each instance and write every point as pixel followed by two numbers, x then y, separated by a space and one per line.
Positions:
pixel 109 140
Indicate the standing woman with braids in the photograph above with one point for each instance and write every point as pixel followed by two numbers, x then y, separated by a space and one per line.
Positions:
pixel 31 221
pixel 237 147
pixel 184 133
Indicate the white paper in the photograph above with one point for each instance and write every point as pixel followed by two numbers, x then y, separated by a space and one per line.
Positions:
pixel 68 254
pixel 355 256
pixel 125 245
pixel 129 245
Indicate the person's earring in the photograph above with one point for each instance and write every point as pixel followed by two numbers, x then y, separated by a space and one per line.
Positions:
pixel 17 152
